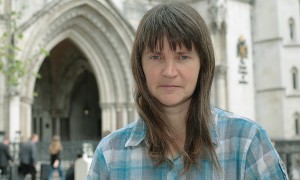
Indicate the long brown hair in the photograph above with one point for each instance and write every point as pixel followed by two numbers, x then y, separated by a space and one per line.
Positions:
pixel 55 146
pixel 182 25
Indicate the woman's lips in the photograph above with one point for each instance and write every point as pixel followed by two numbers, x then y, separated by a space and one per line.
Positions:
pixel 169 87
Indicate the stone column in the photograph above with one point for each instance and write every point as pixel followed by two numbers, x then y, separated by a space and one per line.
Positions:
pixel 119 112
pixel 130 114
pixel 56 120
pixel 108 117
pixel 25 117
pixel 5 7
pixel 14 117
pixel 3 120
pixel 221 86
pixel 122 115
pixel 113 120
pixel 218 11
pixel 105 117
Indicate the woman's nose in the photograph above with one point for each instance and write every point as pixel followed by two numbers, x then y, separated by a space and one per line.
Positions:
pixel 169 68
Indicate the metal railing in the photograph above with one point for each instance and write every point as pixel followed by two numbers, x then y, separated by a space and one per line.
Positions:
pixel 289 151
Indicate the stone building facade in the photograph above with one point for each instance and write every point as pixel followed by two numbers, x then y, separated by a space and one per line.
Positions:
pixel 86 86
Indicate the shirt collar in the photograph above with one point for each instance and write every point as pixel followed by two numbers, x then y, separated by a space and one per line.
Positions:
pixel 138 133
pixel 213 128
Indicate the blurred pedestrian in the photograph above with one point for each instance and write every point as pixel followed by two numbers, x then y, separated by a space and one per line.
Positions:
pixel 5 157
pixel 55 149
pixel 28 157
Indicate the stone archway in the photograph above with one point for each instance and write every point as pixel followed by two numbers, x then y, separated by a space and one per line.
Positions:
pixel 105 39
pixel 68 101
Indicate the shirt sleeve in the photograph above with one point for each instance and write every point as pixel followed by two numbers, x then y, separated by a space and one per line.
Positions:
pixel 98 169
pixel 262 160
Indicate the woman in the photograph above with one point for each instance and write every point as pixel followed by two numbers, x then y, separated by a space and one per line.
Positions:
pixel 55 149
pixel 179 135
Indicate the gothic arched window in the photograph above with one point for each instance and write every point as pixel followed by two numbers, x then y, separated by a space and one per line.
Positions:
pixel 292 28
pixel 295 74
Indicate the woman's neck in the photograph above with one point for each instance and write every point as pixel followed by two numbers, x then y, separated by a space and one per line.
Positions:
pixel 176 118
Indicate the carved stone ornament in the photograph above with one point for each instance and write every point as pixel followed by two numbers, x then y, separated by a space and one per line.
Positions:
pixel 242 52
pixel 242 49
pixel 218 9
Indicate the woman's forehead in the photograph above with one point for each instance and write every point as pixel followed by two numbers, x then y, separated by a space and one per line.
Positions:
pixel 174 45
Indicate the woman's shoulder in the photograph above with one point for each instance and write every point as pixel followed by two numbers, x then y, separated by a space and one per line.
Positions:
pixel 119 138
pixel 232 125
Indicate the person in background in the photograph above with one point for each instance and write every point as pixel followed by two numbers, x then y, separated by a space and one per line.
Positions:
pixel 28 157
pixel 5 156
pixel 55 149
pixel 179 135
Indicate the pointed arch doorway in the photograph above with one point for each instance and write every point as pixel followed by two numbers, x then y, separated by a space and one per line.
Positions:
pixel 67 101
pixel 103 41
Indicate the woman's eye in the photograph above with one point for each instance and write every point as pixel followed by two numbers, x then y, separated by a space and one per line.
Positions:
pixel 183 57
pixel 155 57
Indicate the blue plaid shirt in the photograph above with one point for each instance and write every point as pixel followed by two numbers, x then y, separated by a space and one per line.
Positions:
pixel 242 146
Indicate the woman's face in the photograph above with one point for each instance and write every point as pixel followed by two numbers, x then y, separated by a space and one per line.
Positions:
pixel 171 76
